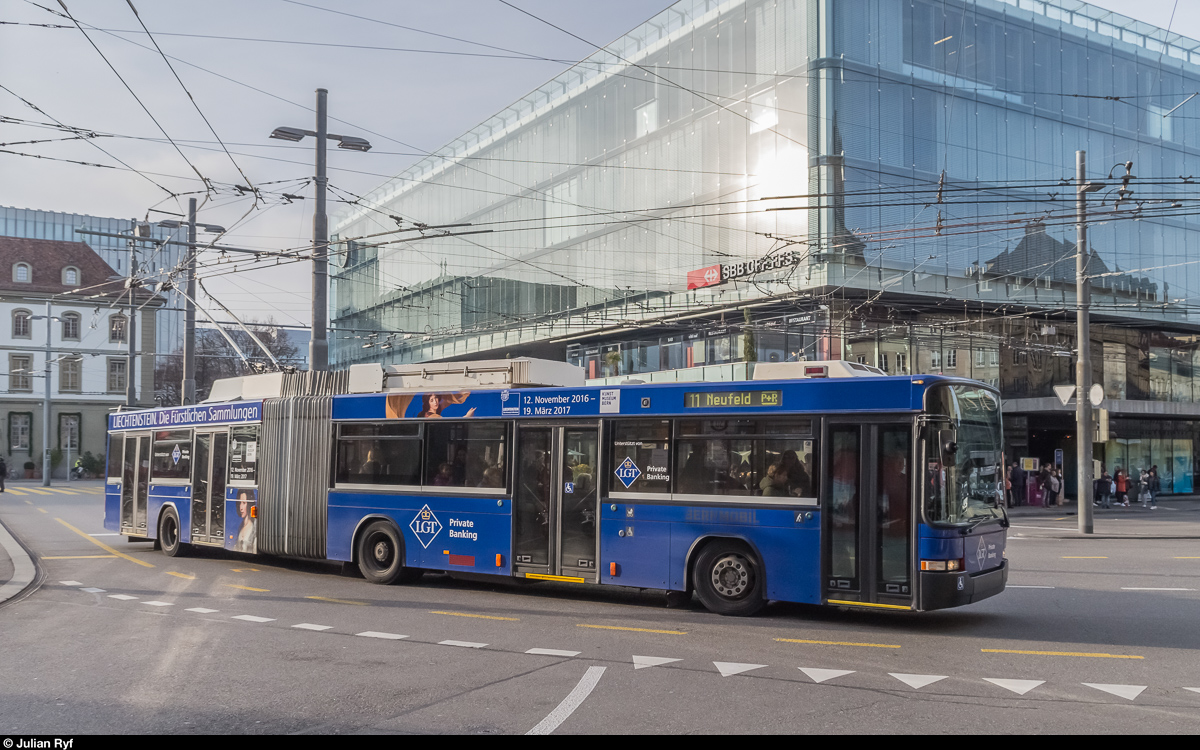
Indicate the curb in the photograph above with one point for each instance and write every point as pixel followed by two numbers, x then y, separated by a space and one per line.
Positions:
pixel 24 571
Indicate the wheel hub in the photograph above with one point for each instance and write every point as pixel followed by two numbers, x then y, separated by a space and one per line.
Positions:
pixel 382 551
pixel 731 576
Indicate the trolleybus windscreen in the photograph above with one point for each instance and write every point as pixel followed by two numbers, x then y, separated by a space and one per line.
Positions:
pixel 719 399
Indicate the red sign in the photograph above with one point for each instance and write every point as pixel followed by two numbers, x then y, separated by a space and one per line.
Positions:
pixel 704 277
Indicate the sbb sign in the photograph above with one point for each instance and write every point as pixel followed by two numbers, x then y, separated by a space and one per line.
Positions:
pixel 724 272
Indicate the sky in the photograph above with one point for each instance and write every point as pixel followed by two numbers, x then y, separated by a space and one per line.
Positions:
pixel 407 90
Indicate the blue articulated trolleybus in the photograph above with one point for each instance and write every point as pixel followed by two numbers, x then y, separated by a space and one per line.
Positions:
pixel 822 483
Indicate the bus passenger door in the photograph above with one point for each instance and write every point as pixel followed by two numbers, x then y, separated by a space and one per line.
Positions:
pixel 867 535
pixel 208 488
pixel 135 484
pixel 555 502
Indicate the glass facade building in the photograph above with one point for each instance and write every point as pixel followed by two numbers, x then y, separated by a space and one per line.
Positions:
pixel 56 225
pixel 887 181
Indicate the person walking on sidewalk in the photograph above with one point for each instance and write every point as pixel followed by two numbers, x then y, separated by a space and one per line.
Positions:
pixel 3 473
pixel 1122 483
pixel 1155 487
pixel 1105 487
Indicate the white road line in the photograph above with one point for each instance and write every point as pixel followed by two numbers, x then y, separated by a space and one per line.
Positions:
pixel 106 534
pixel 159 604
pixel 202 610
pixel 570 703
pixel 122 597
pixel 552 652
pixel 730 668
pixel 1194 690
pixel 917 681
pixel 1128 692
pixel 93 590
pixel 1151 588
pixel 385 636
pixel 71 583
pixel 1047 528
pixel 1014 586
pixel 252 618
pixel 642 662
pixel 310 626
pixel 462 644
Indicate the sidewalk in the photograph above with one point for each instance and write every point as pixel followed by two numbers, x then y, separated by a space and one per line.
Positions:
pixel 1177 517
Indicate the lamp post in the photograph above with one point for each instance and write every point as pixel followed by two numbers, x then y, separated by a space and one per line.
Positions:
pixel 1083 365
pixel 188 392
pixel 318 346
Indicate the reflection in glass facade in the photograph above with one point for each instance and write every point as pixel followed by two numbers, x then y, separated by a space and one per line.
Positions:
pixel 913 155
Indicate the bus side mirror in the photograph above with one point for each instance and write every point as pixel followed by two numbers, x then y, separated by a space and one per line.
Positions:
pixel 947 439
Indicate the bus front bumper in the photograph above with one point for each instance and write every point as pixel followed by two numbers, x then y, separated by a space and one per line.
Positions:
pixel 944 590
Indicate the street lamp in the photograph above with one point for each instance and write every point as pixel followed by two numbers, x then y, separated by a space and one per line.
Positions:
pixel 318 345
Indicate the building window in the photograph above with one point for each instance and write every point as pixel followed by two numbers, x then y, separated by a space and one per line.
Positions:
pixel 70 276
pixel 68 432
pixel 116 375
pixel 70 326
pixel 935 359
pixel 22 324
pixel 20 369
pixel 22 273
pixel 883 361
pixel 901 364
pixel 647 118
pixel 116 329
pixel 70 375
pixel 19 432
pixel 951 359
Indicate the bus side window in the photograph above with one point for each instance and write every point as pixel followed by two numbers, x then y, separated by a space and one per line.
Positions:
pixel 641 456
pixel 379 454
pixel 769 458
pixel 466 454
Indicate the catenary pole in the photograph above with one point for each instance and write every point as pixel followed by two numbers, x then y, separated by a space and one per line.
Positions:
pixel 188 393
pixel 318 347
pixel 46 402
pixel 1083 365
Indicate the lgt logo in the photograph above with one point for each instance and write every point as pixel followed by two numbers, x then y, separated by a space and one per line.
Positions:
pixel 425 526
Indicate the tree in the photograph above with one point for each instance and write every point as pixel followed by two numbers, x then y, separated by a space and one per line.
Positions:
pixel 216 359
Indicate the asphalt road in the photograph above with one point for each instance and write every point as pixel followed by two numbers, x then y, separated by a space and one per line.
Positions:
pixel 1094 635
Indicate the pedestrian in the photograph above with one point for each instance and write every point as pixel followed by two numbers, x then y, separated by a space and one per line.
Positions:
pixel 1155 487
pixel 1062 487
pixel 3 473
pixel 1008 485
pixel 1106 487
pixel 1144 488
pixel 1122 483
pixel 1053 486
pixel 1018 484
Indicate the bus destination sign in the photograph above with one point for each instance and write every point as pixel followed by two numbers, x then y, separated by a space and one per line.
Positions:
pixel 724 399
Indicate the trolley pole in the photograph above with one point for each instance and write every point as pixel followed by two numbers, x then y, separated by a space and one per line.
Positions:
pixel 1083 365
pixel 130 326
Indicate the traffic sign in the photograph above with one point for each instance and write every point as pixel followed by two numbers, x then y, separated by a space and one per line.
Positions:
pixel 1096 394
pixel 1064 393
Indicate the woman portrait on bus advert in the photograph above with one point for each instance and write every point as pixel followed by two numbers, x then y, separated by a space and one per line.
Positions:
pixel 246 541
pixel 432 405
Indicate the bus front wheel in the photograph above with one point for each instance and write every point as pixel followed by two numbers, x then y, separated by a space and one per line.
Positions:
pixel 168 534
pixel 728 579
pixel 381 555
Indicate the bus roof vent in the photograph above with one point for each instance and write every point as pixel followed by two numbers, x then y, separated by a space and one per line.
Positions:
pixel 831 368
pixel 523 372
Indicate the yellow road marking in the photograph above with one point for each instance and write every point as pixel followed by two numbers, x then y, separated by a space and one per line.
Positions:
pixel 481 617
pixel 36 492
pixel 243 570
pixel 181 575
pixel 16 491
pixel 63 492
pixel 104 546
pixel 1058 653
pixel 1066 557
pixel 42 510
pixel 1060 519
pixel 836 643
pixel 80 557
pixel 634 630
pixel 28 503
pixel 1187 558
pixel 337 601
pixel 247 588
pixel 867 604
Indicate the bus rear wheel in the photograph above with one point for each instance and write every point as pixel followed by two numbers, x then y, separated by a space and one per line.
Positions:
pixel 168 534
pixel 381 555
pixel 728 579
